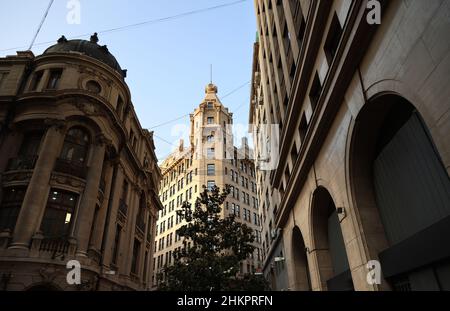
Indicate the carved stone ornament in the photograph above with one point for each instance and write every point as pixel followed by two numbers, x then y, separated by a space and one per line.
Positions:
pixel 48 274
pixel 58 124
pixel 101 139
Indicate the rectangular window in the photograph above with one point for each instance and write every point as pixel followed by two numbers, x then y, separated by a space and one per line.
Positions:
pixel 135 258
pixel 210 153
pixel 55 77
pixel 210 120
pixel 316 89
pixel 303 128
pixel 3 76
pixel 211 184
pixel 58 214
pixel 211 171
pixel 333 38
pixel 115 253
pixel 37 78
pixel 10 207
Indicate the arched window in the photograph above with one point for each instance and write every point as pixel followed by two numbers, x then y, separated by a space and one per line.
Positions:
pixel 76 146
pixel 94 87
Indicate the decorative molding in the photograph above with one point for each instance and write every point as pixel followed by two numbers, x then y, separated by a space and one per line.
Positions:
pixel 48 274
pixel 101 139
pixel 66 180
pixel 58 124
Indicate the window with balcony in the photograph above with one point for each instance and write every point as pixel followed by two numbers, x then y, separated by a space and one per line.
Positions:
pixel 74 153
pixel 10 207
pixel 28 152
pixel 58 213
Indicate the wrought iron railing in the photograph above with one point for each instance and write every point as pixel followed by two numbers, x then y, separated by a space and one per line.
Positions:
pixel 123 207
pixel 70 167
pixel 22 163
pixel 140 224
pixel 55 246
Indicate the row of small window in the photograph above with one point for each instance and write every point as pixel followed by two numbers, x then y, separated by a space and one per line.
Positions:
pixel 166 258
pixel 186 164
pixel 235 209
pixel 180 202
pixel 166 241
pixel 244 180
pixel 234 192
pixel 162 225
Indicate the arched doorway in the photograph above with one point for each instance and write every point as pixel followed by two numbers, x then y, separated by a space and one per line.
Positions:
pixel 302 276
pixel 329 246
pixel 399 181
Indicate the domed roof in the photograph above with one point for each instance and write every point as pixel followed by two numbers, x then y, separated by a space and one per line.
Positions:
pixel 89 48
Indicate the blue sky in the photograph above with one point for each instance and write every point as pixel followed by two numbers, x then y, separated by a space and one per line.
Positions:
pixel 168 62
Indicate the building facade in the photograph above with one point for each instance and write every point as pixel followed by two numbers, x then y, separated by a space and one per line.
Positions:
pixel 210 159
pixel 360 197
pixel 79 176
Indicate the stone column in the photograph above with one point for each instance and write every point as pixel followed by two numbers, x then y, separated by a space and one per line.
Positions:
pixel 143 249
pixel 99 225
pixel 130 231
pixel 89 198
pixel 36 195
pixel 111 229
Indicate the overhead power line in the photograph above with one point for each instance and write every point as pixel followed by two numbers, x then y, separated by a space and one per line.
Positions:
pixel 40 25
pixel 168 122
pixel 148 22
pixel 186 115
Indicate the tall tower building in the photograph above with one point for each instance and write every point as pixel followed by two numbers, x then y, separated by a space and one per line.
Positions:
pixel 210 159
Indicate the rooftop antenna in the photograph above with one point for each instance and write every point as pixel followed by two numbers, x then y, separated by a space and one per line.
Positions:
pixel 211 73
pixel 40 25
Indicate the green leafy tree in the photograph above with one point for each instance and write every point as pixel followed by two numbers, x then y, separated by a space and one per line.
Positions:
pixel 213 248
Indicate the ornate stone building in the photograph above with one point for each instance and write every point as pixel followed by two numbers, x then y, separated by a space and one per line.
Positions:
pixel 79 176
pixel 364 152
pixel 210 159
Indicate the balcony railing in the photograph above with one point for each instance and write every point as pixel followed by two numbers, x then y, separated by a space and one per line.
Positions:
pixel 22 163
pixel 70 167
pixel 140 224
pixel 55 246
pixel 123 207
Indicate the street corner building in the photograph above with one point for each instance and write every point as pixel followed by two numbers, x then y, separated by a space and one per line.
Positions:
pixel 79 176
pixel 209 160
pixel 362 181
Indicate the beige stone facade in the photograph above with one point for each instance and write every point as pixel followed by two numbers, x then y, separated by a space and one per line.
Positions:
pixel 79 176
pixel 364 156
pixel 210 159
